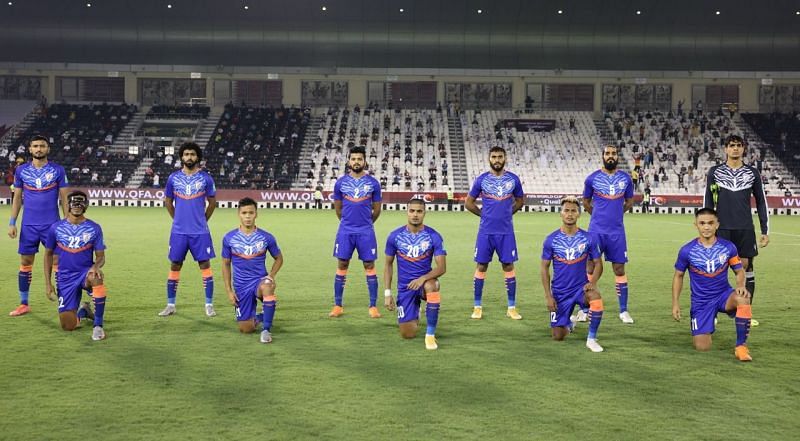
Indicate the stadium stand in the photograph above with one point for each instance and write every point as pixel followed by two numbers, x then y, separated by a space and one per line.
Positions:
pixel 546 162
pixel 407 150
pixel 781 132
pixel 672 152
pixel 80 136
pixel 251 147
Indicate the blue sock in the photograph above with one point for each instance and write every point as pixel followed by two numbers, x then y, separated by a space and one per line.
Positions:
pixel 338 287
pixel 269 314
pixel 478 285
pixel 594 322
pixel 99 309
pixel 24 279
pixel 208 285
pixel 511 288
pixel 172 287
pixel 742 320
pixel 260 317
pixel 432 317
pixel 372 287
pixel 622 293
pixel 82 313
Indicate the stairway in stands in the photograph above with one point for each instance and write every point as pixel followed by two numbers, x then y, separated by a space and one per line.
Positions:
pixel 607 138
pixel 307 149
pixel 458 162
pixel 777 165
pixel 206 127
pixel 127 136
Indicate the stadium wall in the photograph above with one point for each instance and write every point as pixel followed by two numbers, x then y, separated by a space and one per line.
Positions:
pixel 681 81
pixel 147 197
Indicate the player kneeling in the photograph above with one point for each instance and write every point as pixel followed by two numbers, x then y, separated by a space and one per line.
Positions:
pixel 708 258
pixel 569 249
pixel 78 241
pixel 416 246
pixel 245 248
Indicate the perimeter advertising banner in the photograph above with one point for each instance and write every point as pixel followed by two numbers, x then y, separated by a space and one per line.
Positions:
pixel 533 199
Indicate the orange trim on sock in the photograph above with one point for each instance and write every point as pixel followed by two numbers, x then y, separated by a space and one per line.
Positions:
pixel 207 273
pixel 270 298
pixel 509 274
pixel 341 272
pixel 744 311
pixel 26 268
pixel 174 275
pixel 371 272
pixel 99 291
pixel 480 275
pixel 596 305
pixel 433 297
pixel 621 279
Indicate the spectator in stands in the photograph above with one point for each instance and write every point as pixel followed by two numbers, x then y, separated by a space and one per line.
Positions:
pixel 118 179
pixel 156 180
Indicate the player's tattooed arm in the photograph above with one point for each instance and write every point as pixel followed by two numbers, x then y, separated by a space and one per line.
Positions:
pixel 212 205
pixel 470 205
pixel 169 203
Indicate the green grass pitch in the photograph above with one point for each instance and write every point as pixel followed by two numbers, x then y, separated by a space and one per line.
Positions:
pixel 191 377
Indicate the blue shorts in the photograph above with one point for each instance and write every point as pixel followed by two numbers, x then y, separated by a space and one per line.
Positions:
pixel 565 304
pixel 365 243
pixel 408 302
pixel 199 244
pixel 70 286
pixel 30 236
pixel 248 300
pixel 614 247
pixel 703 315
pixel 505 245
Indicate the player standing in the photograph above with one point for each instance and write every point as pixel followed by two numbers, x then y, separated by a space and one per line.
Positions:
pixel 502 196
pixel 607 195
pixel 246 249
pixel 570 249
pixel 416 246
pixel 186 193
pixel 357 200
pixel 40 183
pixel 81 255
pixel 707 258
pixel 729 187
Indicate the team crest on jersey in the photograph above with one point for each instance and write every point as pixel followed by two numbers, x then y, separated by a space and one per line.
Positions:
pixel 49 176
pixel 87 237
pixel 424 245
pixel 581 247
pixel 509 185
pixel 621 185
pixel 260 245
pixel 722 258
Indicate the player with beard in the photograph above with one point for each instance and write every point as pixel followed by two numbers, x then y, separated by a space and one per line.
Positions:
pixel 40 183
pixel 729 187
pixel 357 200
pixel 607 195
pixel 502 196
pixel 186 193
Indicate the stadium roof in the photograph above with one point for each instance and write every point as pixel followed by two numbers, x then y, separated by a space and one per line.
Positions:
pixel 506 34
